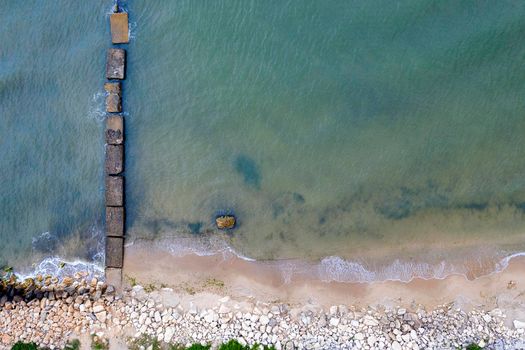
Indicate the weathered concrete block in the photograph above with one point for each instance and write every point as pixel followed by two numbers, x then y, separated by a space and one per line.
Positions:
pixel 114 252
pixel 113 98
pixel 114 278
pixel 114 191
pixel 115 63
pixel 113 88
pixel 115 130
pixel 114 159
pixel 119 28
pixel 114 221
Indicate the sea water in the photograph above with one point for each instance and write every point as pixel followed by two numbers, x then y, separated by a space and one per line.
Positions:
pixel 385 136
pixel 52 56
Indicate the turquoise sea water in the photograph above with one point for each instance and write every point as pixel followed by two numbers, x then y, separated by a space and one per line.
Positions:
pixel 51 132
pixel 375 131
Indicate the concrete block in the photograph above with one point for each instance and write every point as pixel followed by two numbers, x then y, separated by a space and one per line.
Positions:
pixel 114 278
pixel 114 252
pixel 119 28
pixel 114 191
pixel 114 159
pixel 113 97
pixel 115 63
pixel 115 221
pixel 115 130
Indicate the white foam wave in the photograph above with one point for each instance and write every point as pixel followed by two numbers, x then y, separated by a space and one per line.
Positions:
pixel 336 269
pixel 332 268
pixel 96 107
pixel 200 247
pixel 132 30
pixel 55 266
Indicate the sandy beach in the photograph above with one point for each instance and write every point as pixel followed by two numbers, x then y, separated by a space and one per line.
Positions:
pixel 201 276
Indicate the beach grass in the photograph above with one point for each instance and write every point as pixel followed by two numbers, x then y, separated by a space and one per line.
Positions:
pixel 148 342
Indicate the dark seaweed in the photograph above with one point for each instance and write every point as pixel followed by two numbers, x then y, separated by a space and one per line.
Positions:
pixel 247 167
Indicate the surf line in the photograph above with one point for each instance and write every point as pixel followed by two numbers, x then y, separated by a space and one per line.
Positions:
pixel 114 155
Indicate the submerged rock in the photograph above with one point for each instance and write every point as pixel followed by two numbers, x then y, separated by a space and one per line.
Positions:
pixel 225 221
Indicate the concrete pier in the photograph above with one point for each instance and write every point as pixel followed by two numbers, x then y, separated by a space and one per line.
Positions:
pixel 114 221
pixel 114 191
pixel 114 159
pixel 115 64
pixel 115 130
pixel 115 253
pixel 113 97
pixel 114 163
pixel 119 28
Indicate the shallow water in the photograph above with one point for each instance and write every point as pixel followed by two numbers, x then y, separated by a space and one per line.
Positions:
pixel 369 130
pixel 366 130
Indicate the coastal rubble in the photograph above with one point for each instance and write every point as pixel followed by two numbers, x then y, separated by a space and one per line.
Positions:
pixel 52 313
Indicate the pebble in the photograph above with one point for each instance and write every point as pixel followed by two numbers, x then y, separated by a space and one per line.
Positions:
pixel 277 324
pixel 264 320
pixel 519 324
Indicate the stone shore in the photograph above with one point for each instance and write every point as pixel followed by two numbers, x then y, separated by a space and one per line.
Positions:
pixel 73 308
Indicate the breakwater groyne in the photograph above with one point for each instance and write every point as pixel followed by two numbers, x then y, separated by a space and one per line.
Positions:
pixel 114 137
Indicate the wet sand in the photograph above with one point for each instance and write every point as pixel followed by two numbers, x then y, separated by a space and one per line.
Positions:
pixel 204 278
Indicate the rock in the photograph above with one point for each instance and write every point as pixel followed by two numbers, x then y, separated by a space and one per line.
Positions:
pixel 110 290
pixel 371 340
pixel 359 336
pixel 225 318
pixel 370 321
pixel 119 28
pixel 115 130
pixel 101 316
pixel 396 345
pixel 98 308
pixel 264 320
pixel 334 321
pixel 67 281
pixel 401 311
pixel 519 324
pixel 115 63
pixel 6 339
pixel 193 309
pixel 225 222
pixel 114 163
pixel 487 318
pixel 168 334
pixel 333 310
pixel 209 317
pixel 114 192
pixel 223 309
pixel 113 97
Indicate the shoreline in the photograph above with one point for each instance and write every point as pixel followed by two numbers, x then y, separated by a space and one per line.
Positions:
pixel 149 265
pixel 212 299
pixel 471 259
pixel 75 308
